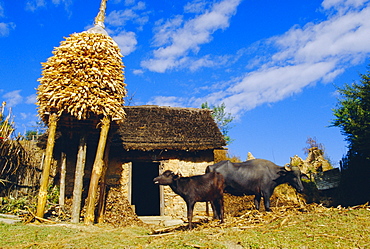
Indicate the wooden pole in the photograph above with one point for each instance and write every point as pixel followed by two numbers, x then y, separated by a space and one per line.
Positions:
pixel 62 188
pixel 41 201
pixel 78 185
pixel 103 186
pixel 96 172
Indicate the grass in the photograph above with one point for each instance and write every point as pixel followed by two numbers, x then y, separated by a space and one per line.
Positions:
pixel 317 227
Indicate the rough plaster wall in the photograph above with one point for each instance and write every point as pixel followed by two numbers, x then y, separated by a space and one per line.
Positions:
pixel 125 180
pixel 174 205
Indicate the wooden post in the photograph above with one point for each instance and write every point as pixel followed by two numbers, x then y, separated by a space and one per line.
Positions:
pixel 103 186
pixel 62 188
pixel 78 184
pixel 41 201
pixel 96 172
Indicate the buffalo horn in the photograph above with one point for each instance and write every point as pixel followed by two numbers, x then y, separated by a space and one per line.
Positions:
pixel 179 173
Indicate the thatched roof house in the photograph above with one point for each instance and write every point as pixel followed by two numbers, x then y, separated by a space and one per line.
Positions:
pixel 150 140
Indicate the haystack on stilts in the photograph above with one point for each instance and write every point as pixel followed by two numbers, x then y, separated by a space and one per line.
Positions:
pixel 82 81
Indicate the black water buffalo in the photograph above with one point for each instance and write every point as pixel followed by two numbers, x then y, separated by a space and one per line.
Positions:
pixel 256 177
pixel 200 188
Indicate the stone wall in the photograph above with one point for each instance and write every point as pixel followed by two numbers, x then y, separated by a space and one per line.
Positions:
pixel 173 204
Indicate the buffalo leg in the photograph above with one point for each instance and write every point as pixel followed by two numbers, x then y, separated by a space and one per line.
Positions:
pixel 218 209
pixel 266 201
pixel 190 207
pixel 207 208
pixel 221 204
pixel 257 200
pixel 214 209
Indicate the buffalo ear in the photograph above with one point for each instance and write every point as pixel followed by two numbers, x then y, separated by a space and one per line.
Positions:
pixel 288 167
pixel 179 173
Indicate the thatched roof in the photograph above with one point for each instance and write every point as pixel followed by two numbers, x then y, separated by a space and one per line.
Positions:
pixel 173 128
pixel 148 128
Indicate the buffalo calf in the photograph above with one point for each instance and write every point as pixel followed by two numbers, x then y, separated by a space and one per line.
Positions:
pixel 199 188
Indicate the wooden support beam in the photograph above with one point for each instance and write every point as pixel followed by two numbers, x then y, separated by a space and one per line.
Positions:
pixel 43 192
pixel 103 185
pixel 96 172
pixel 78 184
pixel 63 171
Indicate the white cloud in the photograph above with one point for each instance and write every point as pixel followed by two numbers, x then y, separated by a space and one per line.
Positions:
pixel 303 56
pixel 134 14
pixel 33 5
pixel 66 3
pixel 196 6
pixel 5 28
pixel 24 115
pixel 126 41
pixel 119 18
pixel 118 1
pixel 176 38
pixel 209 61
pixel 140 6
pixel 31 99
pixel 137 71
pixel 342 5
pixel 166 101
pixel 13 98
pixel 340 36
pixel 1 10
pixel 314 53
pixel 272 85
pixel 129 2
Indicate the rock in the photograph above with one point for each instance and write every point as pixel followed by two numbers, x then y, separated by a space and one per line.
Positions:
pixel 9 219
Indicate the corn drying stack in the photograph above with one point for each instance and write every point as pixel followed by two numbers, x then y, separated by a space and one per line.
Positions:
pixel 82 78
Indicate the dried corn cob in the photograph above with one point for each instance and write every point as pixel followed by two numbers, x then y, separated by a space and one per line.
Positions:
pixel 84 77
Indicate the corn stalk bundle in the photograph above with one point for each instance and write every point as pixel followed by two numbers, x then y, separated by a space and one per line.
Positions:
pixel 6 123
pixel 82 78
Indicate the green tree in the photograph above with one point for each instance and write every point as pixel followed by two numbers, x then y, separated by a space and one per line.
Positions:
pixel 222 119
pixel 34 134
pixel 352 116
pixel 31 135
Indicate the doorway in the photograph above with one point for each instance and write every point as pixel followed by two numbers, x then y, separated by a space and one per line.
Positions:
pixel 145 194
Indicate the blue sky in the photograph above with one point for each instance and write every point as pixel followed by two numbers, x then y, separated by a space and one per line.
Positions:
pixel 274 64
